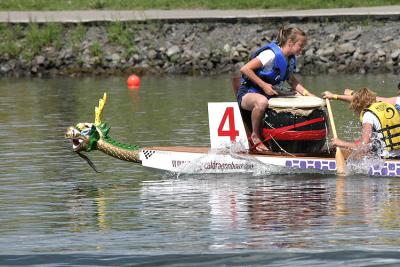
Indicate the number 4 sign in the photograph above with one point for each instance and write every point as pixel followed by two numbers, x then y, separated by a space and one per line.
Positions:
pixel 226 125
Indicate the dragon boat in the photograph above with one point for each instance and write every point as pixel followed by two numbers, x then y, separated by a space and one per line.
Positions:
pixel 297 142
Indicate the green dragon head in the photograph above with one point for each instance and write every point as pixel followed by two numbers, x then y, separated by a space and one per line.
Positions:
pixel 94 136
pixel 84 136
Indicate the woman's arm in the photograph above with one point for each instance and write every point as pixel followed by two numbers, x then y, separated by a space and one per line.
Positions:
pixel 296 85
pixel 390 100
pixel 248 70
pixel 366 133
pixel 329 95
pixel 347 96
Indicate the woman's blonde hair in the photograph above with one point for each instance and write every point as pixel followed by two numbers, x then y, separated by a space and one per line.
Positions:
pixel 362 98
pixel 289 33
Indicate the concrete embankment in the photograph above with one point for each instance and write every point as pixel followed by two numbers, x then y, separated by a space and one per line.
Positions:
pixel 365 40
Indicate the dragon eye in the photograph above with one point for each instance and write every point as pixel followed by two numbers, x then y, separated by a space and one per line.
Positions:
pixel 85 131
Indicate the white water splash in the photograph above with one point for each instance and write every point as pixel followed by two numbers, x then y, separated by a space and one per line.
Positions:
pixel 235 159
pixel 232 159
pixel 362 159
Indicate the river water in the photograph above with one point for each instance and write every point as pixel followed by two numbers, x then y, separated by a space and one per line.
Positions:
pixel 56 211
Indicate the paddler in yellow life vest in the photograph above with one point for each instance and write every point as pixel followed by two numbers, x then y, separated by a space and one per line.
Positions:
pixel 380 125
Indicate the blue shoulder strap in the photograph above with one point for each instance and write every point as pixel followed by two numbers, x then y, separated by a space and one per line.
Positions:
pixel 280 60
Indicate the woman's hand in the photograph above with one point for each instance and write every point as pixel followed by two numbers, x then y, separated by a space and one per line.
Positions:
pixel 348 91
pixel 336 142
pixel 267 88
pixel 328 95
pixel 307 93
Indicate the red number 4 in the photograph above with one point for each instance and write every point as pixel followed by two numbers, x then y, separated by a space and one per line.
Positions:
pixel 231 132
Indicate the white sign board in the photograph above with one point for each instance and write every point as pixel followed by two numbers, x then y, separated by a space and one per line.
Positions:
pixel 226 125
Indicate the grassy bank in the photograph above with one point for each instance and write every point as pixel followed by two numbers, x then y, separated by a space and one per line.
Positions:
pixel 25 42
pixel 185 4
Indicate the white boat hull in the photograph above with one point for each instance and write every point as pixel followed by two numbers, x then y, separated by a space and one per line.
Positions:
pixel 205 160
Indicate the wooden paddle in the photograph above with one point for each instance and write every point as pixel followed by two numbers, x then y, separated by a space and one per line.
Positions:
pixel 340 164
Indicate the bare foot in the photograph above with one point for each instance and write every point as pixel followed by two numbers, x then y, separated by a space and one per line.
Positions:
pixel 258 145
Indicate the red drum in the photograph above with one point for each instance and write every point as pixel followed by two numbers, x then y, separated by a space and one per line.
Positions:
pixel 296 124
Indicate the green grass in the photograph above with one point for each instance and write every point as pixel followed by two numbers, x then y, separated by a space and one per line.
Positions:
pixel 8 40
pixel 40 36
pixel 76 35
pixel 122 34
pixel 15 41
pixel 29 40
pixel 119 33
pixel 185 4
pixel 96 49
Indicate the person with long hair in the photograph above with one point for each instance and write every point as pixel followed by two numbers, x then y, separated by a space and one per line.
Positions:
pixel 380 124
pixel 264 75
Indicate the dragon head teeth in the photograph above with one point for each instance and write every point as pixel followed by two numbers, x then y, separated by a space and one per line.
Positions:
pixel 77 145
pixel 76 138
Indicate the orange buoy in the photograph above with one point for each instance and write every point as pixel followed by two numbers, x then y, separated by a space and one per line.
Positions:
pixel 133 82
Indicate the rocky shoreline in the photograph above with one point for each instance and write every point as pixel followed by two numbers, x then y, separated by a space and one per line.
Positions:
pixel 204 48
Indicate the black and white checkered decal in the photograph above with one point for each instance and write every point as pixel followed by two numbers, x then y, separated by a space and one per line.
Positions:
pixel 148 153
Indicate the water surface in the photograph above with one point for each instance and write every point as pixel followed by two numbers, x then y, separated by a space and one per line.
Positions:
pixel 54 210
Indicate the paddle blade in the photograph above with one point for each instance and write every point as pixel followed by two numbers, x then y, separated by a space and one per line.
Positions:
pixel 340 162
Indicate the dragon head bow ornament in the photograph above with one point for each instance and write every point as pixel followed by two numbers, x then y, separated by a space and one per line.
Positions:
pixel 94 136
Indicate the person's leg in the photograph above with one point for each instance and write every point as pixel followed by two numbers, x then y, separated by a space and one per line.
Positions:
pixel 257 104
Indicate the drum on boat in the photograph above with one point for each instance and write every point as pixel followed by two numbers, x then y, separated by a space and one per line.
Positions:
pixel 296 124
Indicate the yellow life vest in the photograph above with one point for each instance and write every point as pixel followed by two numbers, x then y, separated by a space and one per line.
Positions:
pixel 389 118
